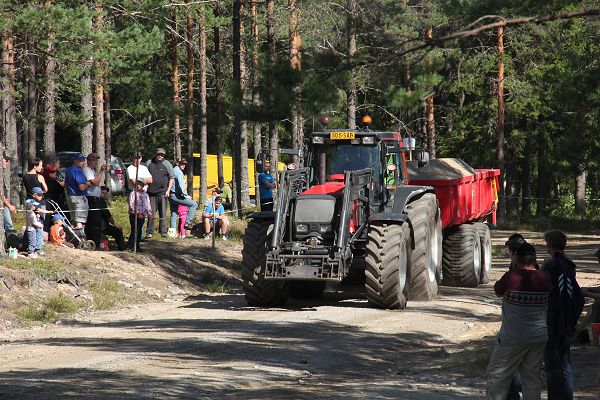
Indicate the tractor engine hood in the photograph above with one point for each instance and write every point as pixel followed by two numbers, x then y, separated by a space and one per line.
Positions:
pixel 334 186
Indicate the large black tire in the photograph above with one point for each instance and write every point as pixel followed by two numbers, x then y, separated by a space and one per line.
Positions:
pixel 461 260
pixel 485 239
pixel 260 292
pixel 426 257
pixel 386 265
pixel 307 289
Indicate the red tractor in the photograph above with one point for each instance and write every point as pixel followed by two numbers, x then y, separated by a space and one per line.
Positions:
pixel 358 205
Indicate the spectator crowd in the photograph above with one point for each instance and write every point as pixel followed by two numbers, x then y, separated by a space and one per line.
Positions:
pixel 72 208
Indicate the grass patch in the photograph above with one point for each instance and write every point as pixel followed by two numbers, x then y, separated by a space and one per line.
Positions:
pixel 107 294
pixel 50 309
pixel 498 251
pixel 218 287
pixel 43 267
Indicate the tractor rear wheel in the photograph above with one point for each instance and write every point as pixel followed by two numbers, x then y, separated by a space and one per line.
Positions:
pixel 260 292
pixel 386 265
pixel 307 289
pixel 426 257
pixel 461 260
pixel 486 251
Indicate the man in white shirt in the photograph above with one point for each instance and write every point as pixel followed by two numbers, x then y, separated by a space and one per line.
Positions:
pixel 138 170
pixel 93 227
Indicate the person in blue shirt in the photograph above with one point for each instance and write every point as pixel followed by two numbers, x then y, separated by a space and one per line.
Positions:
pixel 266 184
pixel 179 196
pixel 77 185
pixel 215 213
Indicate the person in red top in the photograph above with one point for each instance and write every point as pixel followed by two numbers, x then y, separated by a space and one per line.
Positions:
pixel 524 332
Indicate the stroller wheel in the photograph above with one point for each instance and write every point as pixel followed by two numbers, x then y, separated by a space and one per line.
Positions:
pixel 87 245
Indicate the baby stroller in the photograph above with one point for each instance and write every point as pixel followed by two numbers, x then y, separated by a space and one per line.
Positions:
pixel 74 235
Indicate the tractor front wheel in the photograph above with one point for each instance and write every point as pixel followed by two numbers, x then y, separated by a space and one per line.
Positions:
pixel 386 265
pixel 260 292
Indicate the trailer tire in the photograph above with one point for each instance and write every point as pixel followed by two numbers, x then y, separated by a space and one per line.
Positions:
pixel 426 257
pixel 386 265
pixel 258 291
pixel 462 257
pixel 486 251
pixel 307 289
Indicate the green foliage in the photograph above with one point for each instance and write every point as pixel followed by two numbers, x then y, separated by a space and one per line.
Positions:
pixel 48 310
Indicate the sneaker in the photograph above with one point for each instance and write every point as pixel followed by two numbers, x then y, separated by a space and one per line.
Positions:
pixel 41 253
pixel 207 236
pixel 225 237
pixel 148 236
pixel 163 235
pixel 32 255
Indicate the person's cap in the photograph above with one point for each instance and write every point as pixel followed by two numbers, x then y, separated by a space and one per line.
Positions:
pixel 57 217
pixel 525 249
pixel 218 199
pixel 6 156
pixel 137 154
pixel 92 156
pixel 160 150
pixel 78 157
pixel 514 241
pixel 37 190
pixel 141 181
pixel 31 202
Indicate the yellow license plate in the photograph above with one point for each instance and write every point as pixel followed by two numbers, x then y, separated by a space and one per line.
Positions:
pixel 342 135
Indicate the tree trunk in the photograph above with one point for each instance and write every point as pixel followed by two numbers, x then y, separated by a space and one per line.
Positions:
pixel 295 44
pixel 544 177
pixel 10 112
pixel 100 66
pixel 526 180
pixel 87 133
pixel 351 91
pixel 270 27
pixel 203 104
pixel 580 184
pixel 429 107
pixel 189 48
pixel 30 128
pixel 500 124
pixel 175 82
pixel 2 233
pixel 240 125
pixel 218 99
pixel 50 98
pixel 107 132
pixel 256 126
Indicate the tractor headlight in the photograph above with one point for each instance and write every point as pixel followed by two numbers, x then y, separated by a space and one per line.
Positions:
pixel 318 139
pixel 302 228
pixel 368 140
pixel 325 228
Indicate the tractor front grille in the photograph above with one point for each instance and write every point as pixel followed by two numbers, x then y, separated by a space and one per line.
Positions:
pixel 304 267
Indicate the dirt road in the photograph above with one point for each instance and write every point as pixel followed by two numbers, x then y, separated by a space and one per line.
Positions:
pixel 213 346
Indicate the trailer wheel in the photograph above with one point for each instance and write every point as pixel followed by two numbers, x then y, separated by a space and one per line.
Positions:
pixel 426 257
pixel 462 257
pixel 386 265
pixel 307 289
pixel 258 291
pixel 486 251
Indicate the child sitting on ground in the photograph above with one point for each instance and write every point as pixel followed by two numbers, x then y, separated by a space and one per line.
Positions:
pixel 34 228
pixel 57 232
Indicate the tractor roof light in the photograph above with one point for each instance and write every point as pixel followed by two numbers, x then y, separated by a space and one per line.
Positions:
pixel 318 140
pixel 367 120
pixel 368 140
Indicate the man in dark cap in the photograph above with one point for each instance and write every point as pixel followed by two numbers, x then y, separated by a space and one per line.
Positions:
pixel 159 190
pixel 524 332
pixel 77 186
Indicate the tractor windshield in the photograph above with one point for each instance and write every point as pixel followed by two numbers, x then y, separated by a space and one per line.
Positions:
pixel 337 158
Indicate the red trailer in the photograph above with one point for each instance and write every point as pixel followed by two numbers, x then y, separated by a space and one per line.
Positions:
pixel 466 198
